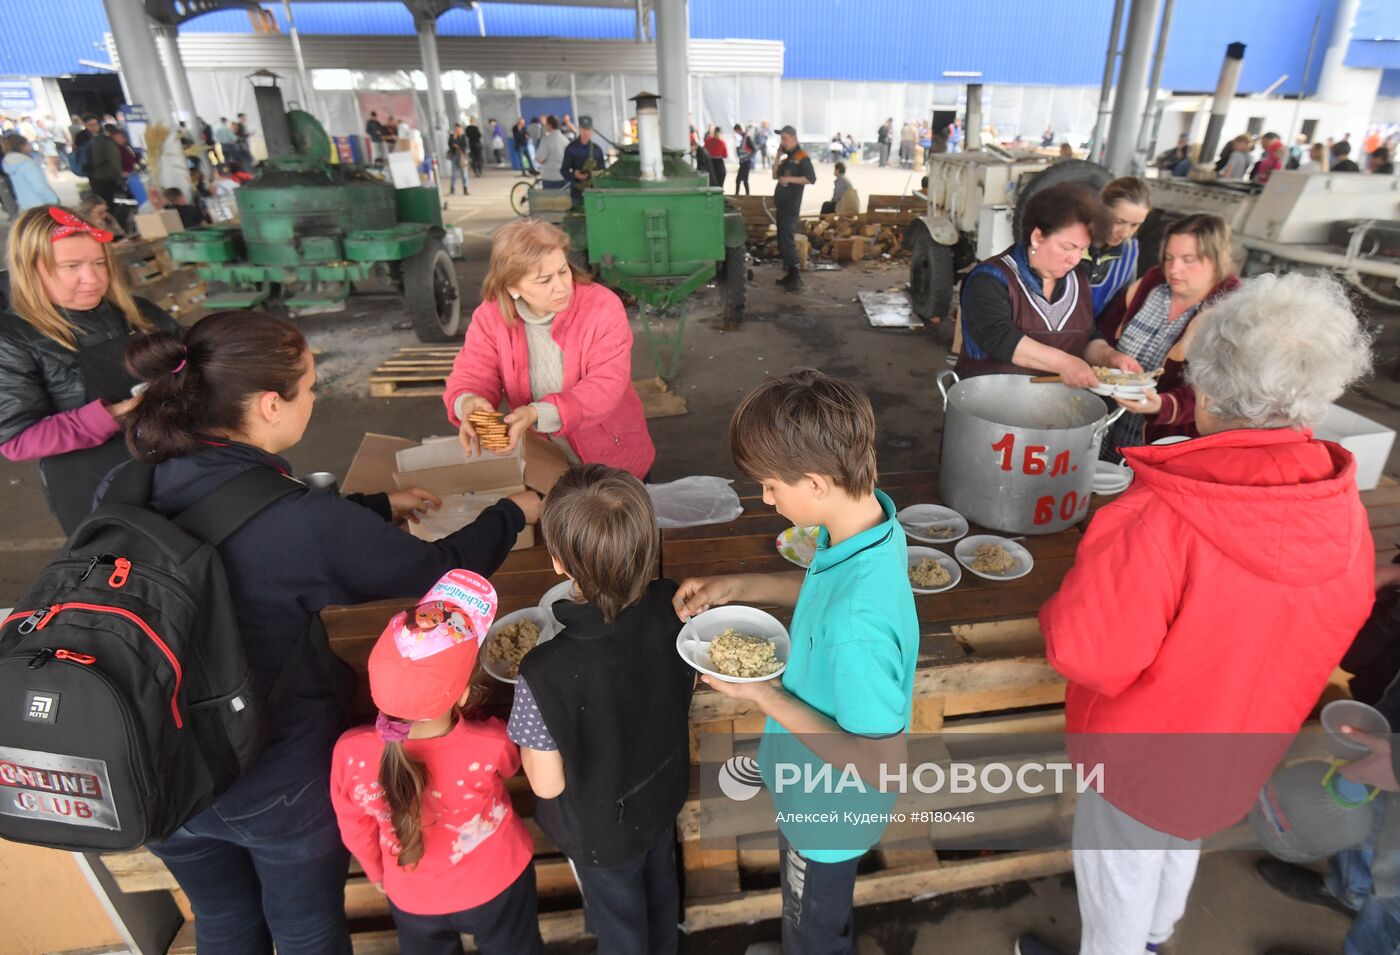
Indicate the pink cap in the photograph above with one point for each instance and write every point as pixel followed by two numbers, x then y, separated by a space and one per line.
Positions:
pixel 421 664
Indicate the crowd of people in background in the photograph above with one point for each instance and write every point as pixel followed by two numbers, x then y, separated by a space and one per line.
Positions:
pixel 1247 158
pixel 36 150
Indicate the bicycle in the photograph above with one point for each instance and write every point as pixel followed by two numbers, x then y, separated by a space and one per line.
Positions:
pixel 520 193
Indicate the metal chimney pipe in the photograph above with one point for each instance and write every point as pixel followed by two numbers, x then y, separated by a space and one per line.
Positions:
pixel 1220 106
pixel 972 136
pixel 649 136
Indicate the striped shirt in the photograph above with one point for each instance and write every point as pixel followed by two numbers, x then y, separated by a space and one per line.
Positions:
pixel 1111 272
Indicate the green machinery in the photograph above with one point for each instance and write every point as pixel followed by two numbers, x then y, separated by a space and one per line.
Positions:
pixel 653 227
pixel 308 229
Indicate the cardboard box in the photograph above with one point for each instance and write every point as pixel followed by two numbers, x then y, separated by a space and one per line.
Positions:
pixel 1370 441
pixel 467 485
pixel 158 225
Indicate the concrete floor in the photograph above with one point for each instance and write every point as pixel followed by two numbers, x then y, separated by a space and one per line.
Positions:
pixel 1232 912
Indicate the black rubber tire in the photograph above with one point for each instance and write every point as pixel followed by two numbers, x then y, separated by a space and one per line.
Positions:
pixel 931 276
pixel 431 295
pixel 520 197
pixel 734 285
pixel 1089 174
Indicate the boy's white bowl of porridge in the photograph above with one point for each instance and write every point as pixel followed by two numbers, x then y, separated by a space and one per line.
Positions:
pixel 735 644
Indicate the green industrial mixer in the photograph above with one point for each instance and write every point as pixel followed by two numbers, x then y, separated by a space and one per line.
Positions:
pixel 654 227
pixel 308 229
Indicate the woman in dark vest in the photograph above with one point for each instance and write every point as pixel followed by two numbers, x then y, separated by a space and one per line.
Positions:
pixel 1029 309
pixel 63 387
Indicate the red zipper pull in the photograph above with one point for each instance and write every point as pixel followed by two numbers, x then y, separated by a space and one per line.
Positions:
pixel 48 615
pixel 118 579
pixel 84 658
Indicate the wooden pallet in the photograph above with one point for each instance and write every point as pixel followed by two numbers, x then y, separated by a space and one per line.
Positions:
pixel 415 371
pixel 895 210
pixel 759 216
pixel 153 275
pixel 420 371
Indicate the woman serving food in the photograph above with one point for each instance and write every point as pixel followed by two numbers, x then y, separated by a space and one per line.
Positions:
pixel 1030 308
pixel 558 348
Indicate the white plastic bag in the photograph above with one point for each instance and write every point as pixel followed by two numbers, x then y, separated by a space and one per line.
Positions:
pixel 693 501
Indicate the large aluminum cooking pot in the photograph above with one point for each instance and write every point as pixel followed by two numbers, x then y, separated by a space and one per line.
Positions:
pixel 1019 456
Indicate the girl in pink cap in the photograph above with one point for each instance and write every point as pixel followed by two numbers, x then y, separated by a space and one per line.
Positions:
pixel 421 795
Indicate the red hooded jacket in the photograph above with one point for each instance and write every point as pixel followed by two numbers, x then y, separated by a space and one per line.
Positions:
pixel 1215 597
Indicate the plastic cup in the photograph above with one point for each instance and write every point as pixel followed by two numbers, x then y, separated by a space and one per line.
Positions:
pixel 1364 717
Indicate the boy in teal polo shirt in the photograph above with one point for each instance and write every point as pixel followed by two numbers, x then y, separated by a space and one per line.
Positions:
pixel 847 693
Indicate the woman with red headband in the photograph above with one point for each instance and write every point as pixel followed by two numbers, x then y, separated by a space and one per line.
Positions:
pixel 63 384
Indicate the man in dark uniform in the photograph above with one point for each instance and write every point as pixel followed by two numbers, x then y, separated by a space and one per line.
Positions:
pixel 792 169
pixel 582 158
pixel 374 132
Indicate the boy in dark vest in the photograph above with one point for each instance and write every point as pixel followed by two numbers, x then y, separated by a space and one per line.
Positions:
pixel 847 693
pixel 602 712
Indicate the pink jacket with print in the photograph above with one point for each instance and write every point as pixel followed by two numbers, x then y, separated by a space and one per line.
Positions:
pixel 601 413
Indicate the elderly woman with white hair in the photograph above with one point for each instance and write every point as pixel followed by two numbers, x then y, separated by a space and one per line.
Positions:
pixel 1208 605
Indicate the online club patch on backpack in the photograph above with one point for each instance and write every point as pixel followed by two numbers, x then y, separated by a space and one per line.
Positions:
pixel 69 789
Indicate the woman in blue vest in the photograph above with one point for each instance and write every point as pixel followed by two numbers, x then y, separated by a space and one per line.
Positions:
pixel 1029 310
pixel 1112 266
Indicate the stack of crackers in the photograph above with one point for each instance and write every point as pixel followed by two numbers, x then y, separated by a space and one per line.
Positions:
pixel 491 428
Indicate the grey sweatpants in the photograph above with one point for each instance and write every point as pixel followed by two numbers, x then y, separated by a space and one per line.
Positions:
pixel 1133 880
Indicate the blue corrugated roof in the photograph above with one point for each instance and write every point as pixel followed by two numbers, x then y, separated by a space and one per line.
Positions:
pixel 49 39
pixel 1058 42
pixel 1373 54
pixel 1051 42
pixel 1375 40
pixel 1390 83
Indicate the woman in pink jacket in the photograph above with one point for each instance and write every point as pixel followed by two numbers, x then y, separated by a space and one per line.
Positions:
pixel 559 349
pixel 1209 604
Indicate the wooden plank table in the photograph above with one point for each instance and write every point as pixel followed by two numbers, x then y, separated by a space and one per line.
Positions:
pixel 982 668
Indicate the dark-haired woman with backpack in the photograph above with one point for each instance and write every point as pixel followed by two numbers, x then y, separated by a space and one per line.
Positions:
pixel 265 864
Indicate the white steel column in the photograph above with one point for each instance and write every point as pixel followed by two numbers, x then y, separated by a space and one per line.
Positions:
pixel 140 60
pixel 435 129
pixel 1132 86
pixel 179 81
pixel 132 33
pixel 673 71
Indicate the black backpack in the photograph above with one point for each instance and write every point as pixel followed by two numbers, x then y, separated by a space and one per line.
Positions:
pixel 126 700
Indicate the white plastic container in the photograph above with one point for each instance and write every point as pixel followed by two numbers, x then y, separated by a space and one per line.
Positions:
pixel 1369 440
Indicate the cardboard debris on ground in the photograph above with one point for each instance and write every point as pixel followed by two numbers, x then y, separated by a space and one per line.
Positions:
pixel 889 310
pixel 658 401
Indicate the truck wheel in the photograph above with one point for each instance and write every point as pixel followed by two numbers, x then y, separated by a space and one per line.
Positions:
pixel 734 285
pixel 431 295
pixel 1081 171
pixel 930 277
